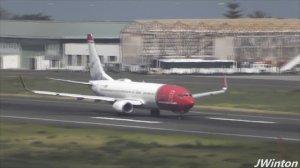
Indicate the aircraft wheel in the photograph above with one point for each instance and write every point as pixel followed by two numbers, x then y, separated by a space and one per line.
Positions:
pixel 155 112
pixel 180 116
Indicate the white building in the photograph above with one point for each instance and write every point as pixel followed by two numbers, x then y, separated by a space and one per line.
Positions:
pixel 41 45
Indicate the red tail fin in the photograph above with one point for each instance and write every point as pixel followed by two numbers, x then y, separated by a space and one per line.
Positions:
pixel 90 38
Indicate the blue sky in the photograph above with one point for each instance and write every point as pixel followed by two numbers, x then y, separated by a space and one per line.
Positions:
pixel 126 10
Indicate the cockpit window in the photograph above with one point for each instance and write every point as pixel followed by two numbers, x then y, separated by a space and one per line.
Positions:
pixel 184 94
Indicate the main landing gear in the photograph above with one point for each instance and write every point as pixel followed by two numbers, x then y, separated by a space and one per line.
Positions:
pixel 155 112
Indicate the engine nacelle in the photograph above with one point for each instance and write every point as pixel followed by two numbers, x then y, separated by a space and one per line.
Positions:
pixel 123 106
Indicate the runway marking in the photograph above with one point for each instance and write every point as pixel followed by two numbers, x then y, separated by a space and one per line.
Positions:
pixel 56 101
pixel 193 111
pixel 245 115
pixel 123 119
pixel 154 128
pixel 240 120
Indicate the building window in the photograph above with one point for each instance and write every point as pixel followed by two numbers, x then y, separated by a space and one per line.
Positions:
pixel 54 63
pixel 112 58
pixel 79 60
pixel 87 60
pixel 101 57
pixel 69 59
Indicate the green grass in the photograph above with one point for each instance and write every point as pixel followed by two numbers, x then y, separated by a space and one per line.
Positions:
pixel 238 98
pixel 33 145
pixel 262 99
pixel 258 99
pixel 13 86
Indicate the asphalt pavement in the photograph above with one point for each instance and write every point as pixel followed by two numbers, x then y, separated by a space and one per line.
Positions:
pixel 202 123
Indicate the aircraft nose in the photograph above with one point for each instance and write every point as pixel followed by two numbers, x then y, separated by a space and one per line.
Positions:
pixel 189 103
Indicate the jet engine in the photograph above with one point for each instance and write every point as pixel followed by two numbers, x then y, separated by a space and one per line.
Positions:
pixel 123 106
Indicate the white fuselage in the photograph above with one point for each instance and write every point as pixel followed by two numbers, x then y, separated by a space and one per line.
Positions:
pixel 128 90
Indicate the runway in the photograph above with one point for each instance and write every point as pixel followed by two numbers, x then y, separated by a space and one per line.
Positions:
pixel 203 123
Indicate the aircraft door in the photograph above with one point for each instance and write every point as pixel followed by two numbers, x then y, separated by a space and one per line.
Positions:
pixel 166 97
pixel 171 96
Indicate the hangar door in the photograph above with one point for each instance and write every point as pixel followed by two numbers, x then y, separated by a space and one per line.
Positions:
pixel 38 63
pixel 9 61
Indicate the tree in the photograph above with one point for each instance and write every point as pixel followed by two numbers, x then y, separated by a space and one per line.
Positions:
pixel 258 14
pixel 38 16
pixel 5 15
pixel 233 10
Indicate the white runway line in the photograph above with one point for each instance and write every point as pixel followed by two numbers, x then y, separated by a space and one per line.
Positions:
pixel 153 128
pixel 130 120
pixel 240 120
pixel 245 115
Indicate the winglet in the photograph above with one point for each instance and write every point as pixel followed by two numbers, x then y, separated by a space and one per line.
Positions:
pixel 23 83
pixel 225 83
pixel 90 38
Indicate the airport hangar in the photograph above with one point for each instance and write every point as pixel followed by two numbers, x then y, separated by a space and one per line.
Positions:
pixel 144 44
pixel 42 45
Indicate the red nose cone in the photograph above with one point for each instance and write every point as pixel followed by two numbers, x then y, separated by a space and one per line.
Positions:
pixel 189 103
pixel 174 98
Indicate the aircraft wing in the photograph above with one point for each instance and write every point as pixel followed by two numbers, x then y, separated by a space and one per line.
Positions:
pixel 70 81
pixel 80 96
pixel 77 96
pixel 197 95
pixel 223 90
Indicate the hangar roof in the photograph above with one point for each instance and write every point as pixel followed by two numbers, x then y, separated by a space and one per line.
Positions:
pixel 220 25
pixel 60 30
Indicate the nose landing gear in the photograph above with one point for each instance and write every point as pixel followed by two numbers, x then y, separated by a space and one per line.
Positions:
pixel 180 114
pixel 155 112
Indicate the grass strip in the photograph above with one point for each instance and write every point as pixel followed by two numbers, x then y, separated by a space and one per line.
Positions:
pixel 35 145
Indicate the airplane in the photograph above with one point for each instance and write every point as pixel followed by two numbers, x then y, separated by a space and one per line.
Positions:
pixel 125 95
